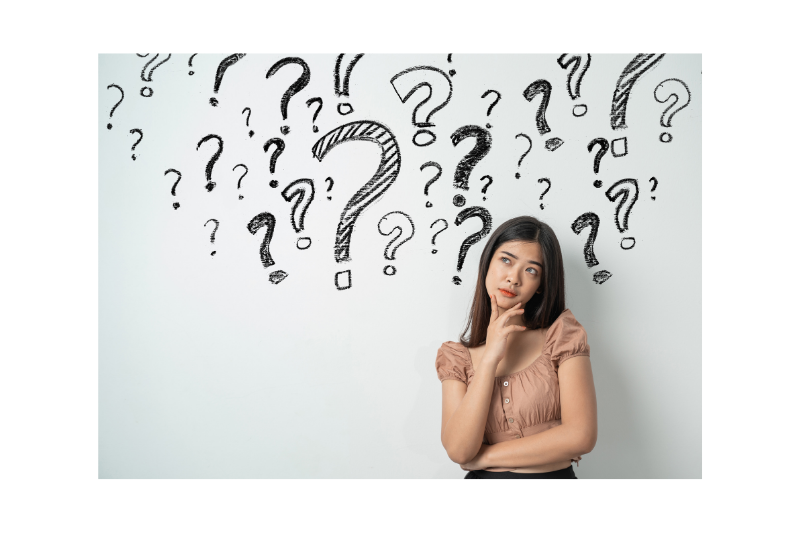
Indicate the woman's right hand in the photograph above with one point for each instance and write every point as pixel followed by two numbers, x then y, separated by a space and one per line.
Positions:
pixel 498 331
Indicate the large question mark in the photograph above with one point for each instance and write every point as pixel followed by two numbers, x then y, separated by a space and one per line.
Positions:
pixel 487 184
pixel 530 145
pixel 247 121
pixel 176 205
pixel 483 143
pixel 191 72
pixel 578 61
pixel 121 98
pixel 603 143
pixel 279 147
pixel 640 64
pixel 316 100
pixel 541 196
pixel 433 239
pixel 544 88
pixel 213 231
pixel 266 220
pixel 239 183
pixel 303 189
pixel 436 177
pixel 669 88
pixel 655 184
pixel 624 188
pixel 141 135
pixel 221 68
pixel 330 185
pixel 294 88
pixel 593 221
pixel 149 76
pixel 489 111
pixel 401 221
pixel 210 184
pixel 384 177
pixel 465 214
pixel 408 81
pixel 341 84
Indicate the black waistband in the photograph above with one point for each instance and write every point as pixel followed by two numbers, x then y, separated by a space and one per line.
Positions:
pixel 564 473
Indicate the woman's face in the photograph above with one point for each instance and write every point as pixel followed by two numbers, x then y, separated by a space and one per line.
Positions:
pixel 516 267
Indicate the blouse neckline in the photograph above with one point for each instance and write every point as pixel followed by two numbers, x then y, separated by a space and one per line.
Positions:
pixel 469 359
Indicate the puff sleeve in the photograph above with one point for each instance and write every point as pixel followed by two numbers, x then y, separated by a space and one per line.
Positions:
pixel 451 363
pixel 565 339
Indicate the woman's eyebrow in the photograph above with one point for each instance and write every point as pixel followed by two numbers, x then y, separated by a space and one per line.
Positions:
pixel 515 257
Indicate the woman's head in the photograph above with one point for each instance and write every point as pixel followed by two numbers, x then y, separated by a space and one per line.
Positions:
pixel 522 256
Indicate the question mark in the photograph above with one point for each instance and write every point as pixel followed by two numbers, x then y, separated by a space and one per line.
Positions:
pixel 530 145
pixel 310 101
pixel 669 88
pixel 191 72
pixel 239 183
pixel 600 153
pixel 122 97
pixel 214 230
pixel 221 68
pixel 176 205
pixel 624 188
pixel 450 60
pixel 593 221
pixel 247 121
pixel 294 88
pixel 544 88
pixel 303 189
pixel 149 76
pixel 655 184
pixel 640 64
pixel 341 85
pixel 433 240
pixel 408 81
pixel 399 221
pixel 330 185
pixel 578 61
pixel 279 147
pixel 141 135
pixel 541 197
pixel 483 143
pixel 465 214
pixel 210 185
pixel 436 177
pixel 489 111
pixel 266 220
pixel 487 185
pixel 374 189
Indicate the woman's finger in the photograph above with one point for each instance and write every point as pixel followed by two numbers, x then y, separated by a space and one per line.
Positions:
pixel 494 309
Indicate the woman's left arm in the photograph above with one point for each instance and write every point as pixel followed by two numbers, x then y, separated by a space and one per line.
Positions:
pixel 576 435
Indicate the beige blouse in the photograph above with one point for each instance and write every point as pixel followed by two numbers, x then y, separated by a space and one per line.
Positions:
pixel 526 402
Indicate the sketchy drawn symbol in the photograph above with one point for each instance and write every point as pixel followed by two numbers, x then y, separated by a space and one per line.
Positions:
pixel 239 183
pixel 541 196
pixel 667 89
pixel 530 145
pixel 374 189
pixel 175 205
pixel 141 135
pixel 487 184
pixel 279 147
pixel 628 189
pixel 298 85
pixel 191 72
pixel 247 122
pixel 483 143
pixel 266 220
pixel 640 64
pixel 433 239
pixel 121 98
pixel 486 218
pixel 459 200
pixel 386 226
pixel 210 165
pixel 592 221
pixel 580 64
pixel 655 184
pixel 408 81
pixel 491 106
pixel 330 185
pixel 273 183
pixel 214 231
pixel 221 68
pixel 303 189
pixel 316 100
pixel 450 60
pixel 598 156
pixel 436 177
pixel 341 84
pixel 619 147
pixel 149 76
pixel 544 88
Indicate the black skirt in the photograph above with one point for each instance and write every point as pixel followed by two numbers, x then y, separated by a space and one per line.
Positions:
pixel 564 473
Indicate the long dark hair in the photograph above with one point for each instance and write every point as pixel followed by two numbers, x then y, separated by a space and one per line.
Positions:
pixel 543 308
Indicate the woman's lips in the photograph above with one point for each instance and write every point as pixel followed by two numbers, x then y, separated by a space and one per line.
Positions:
pixel 506 293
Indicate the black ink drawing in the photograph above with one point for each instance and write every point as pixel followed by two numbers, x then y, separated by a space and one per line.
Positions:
pixel 580 64
pixel 149 77
pixel 541 196
pixel 491 106
pixel 121 98
pixel 619 103
pixel 599 141
pixel 247 122
pixel 280 146
pixel 316 100
pixel 341 84
pixel 553 144
pixel 450 60
pixel 486 177
pixel 273 183
pixel 386 225
pixel 433 239
pixel 655 184
pixel 330 185
pixel 669 88
pixel 141 135
pixel 593 221
pixel 297 86
pixel 176 205
pixel 191 72
pixel 486 219
pixel 374 189
pixel 408 81
pixel 210 165
pixel 619 147
pixel 629 190
pixel 266 220
pixel 544 88
pixel 438 167
pixel 303 189
pixel 530 145
pixel 483 143
pixel 239 183
pixel 214 231
pixel 223 66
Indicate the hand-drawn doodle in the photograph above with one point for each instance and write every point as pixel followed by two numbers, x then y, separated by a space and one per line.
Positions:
pixel 669 88
pixel 465 214
pixel 603 143
pixel 553 144
pixel 191 72
pixel 530 145
pixel 239 183
pixel 591 220
pixel 266 220
pixel 303 189
pixel 655 184
pixel 247 122
pixel 374 189
pixel 210 184
pixel 491 106
pixel 149 76
pixel 619 147
pixel 624 188
pixel 436 177
pixel 450 60
pixel 279 147
pixel 544 88
pixel 487 184
pixel 273 183
pixel 406 83
pixel 316 100
pixel 298 85
pixel 433 239
pixel 541 196
pixel 223 66
pixel 640 64
pixel 330 185
pixel 483 143
pixel 175 205
pixel 214 231
pixel 141 135
pixel 386 226
pixel 341 84
pixel 121 98
pixel 580 64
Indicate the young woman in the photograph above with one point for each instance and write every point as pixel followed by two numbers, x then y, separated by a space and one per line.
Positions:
pixel 518 398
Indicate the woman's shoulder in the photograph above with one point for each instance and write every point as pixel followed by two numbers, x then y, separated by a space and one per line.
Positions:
pixel 566 334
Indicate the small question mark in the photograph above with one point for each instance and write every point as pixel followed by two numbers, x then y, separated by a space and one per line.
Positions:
pixel 247 122
pixel 266 220
pixel 122 97
pixel 465 214
pixel 176 205
pixel 433 240
pixel 330 185
pixel 578 61
pixel 239 183
pixel 489 111
pixel 149 76
pixel 303 189
pixel 593 221
pixel 279 147
pixel 487 184
pixel 210 185
pixel 401 221
pixel 214 220
pixel 191 72
pixel 530 145
pixel 483 143
pixel 436 177
pixel 450 60
pixel 408 81
pixel 294 88
pixel 603 143
pixel 141 135
pixel 629 190
pixel 316 100
pixel 669 88
pixel 221 68
pixel 655 184
pixel 541 197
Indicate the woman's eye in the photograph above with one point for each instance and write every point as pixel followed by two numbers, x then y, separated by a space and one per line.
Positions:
pixel 532 270
pixel 504 259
